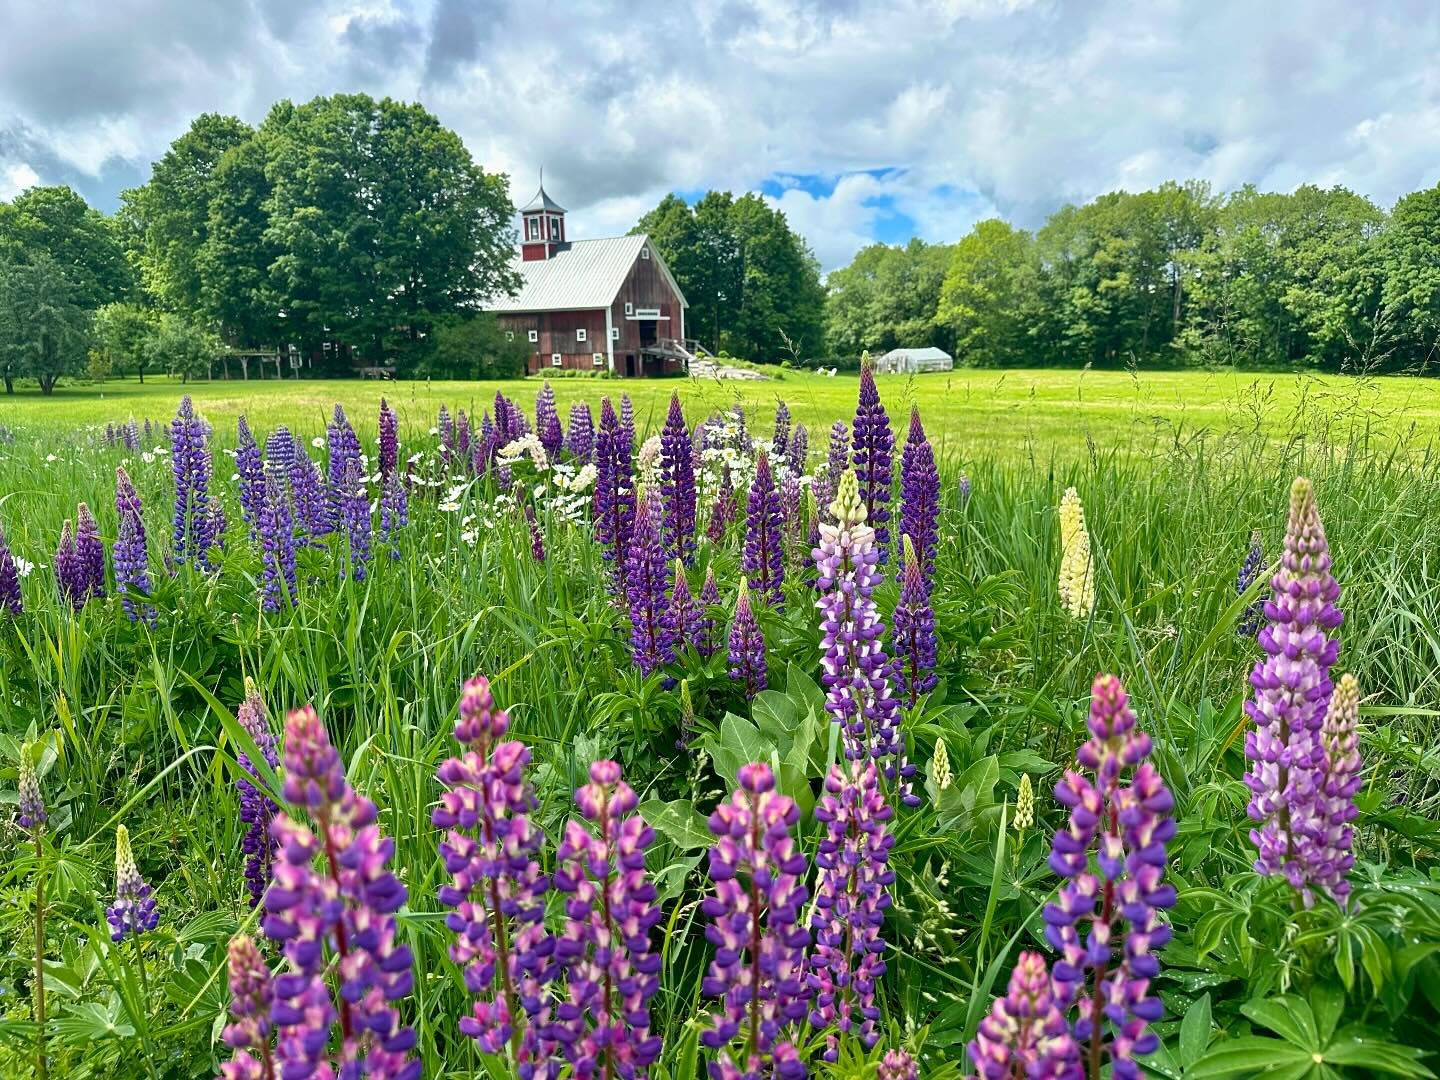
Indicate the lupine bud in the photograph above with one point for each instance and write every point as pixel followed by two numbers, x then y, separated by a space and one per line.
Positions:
pixel 1292 689
pixel 446 433
pixel 1250 569
pixel 251 995
pixel 31 804
pixel 131 554
pixel 677 484
pixel 916 644
pixel 1111 854
pixel 580 435
pixel 687 716
pixel 764 557
pixel 780 444
pixel 70 575
pixel 11 602
pixel 684 618
pixel 964 488
pixel 652 641
pixel 1025 803
pixel 1336 809
pixel 1077 567
pixel 897 1065
pixel 1025 1033
pixel 708 632
pixel 798 455
pixel 252 476
pixel 940 774
pixel 90 552
pixel 389 440
pixel 759 977
pixel 872 444
pixel 747 647
pixel 256 808
pixel 134 909
pixel 723 512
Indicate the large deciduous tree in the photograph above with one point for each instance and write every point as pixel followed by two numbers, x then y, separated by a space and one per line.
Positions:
pixel 44 329
pixel 82 242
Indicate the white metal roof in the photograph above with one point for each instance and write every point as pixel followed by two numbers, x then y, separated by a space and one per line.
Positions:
pixel 927 353
pixel 577 275
pixel 541 201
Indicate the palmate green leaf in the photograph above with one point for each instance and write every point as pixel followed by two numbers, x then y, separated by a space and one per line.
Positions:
pixel 1289 1016
pixel 1249 1055
pixel 91 1021
pixel 679 822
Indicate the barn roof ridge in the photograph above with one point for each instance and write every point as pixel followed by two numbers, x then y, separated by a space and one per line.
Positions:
pixel 578 275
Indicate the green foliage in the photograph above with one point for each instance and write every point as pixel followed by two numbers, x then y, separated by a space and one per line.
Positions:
pixel 985 294
pixel 887 298
pixel 45 332
pixel 472 346
pixel 56 223
pixel 181 347
pixel 122 332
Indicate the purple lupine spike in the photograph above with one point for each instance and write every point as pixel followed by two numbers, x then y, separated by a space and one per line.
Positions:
pixel 855 670
pixel 11 602
pixel 504 420
pixel 651 640
pixel 798 456
pixel 837 460
pixel 897 1065
pixel 90 551
pixel 251 995
pixel 764 558
pixel 792 497
pixel 851 896
pixel 725 508
pixel 756 928
pixel 914 631
pixel 614 492
pixel 355 515
pixel 780 443
pixel 279 455
pixel 70 575
pixel 1105 919
pixel 1025 1033
pixel 344 450
pixel 677 484
pixel 1292 689
pixel 605 948
pixel 134 909
pixel 684 618
pixel 547 421
pixel 1341 781
pixel 190 463
pixel 580 436
pixel 707 637
pixel 497 890
pixel 1249 623
pixel 532 525
pixel 747 646
pixel 445 428
pixel 389 440
pixel 394 512
pixel 486 447
pixel 338 916
pixel 30 802
pixel 627 421
pixel 920 495
pixel 256 808
pixel 131 554
pixel 131 435
pixel 964 489
pixel 308 501
pixel 462 436
pixel 872 444
pixel 252 476
pixel 277 549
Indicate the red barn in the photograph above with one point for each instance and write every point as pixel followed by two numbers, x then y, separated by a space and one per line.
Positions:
pixel 590 304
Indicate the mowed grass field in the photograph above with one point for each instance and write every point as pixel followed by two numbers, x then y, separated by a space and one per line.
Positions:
pixel 1014 415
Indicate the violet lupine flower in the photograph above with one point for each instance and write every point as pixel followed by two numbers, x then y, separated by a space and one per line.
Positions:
pixel 505 427
pixel 355 514
pixel 11 602
pixel 780 442
pixel 872 444
pixel 897 1065
pixel 614 492
pixel 755 926
pixel 1342 779
pixel 747 647
pixel 964 488
pixel 914 630
pixel 854 668
pixel 707 636
pixel 462 437
pixel 486 446
pixel 651 640
pixel 70 574
pixel 1292 689
pixel 30 802
pixel 792 497
pixel 851 896
pixel 134 909
pixel 580 435
pixel 90 552
pixel 131 434
pixel 277 549
pixel 1106 925
pixel 190 463
pixel 547 421
pixel 344 450
pixel 836 462
pixel 492 849
pixel 1250 619
pixel 251 995
pixel 394 512
pixel 920 495
pixel 446 429
pixel 1025 1033
pixel 389 440
pixel 345 907
pixel 627 421
pixel 725 508
pixel 764 558
pixel 131 554
pixel 256 809
pixel 684 618
pixel 279 455
pixel 677 484
pixel 308 501
pixel 537 539
pixel 798 455
pixel 252 476
pixel 603 1023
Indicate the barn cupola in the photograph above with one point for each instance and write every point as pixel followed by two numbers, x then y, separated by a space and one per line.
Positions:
pixel 542 225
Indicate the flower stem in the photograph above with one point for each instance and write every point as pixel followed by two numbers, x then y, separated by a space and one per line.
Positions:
pixel 40 1062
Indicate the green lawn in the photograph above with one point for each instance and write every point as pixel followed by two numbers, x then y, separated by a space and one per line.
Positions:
pixel 1014 414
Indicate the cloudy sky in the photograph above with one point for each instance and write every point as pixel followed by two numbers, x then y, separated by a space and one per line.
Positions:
pixel 863 119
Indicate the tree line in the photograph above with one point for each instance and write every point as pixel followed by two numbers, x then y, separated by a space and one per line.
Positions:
pixel 1317 278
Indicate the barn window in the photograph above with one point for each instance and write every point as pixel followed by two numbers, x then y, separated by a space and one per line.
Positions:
pixel 599 359
pixel 534 228
pixel 579 333
pixel 509 335
pixel 615 333
pixel 645 253
pixel 629 308
pixel 555 360
pixel 534 335
pixel 554 228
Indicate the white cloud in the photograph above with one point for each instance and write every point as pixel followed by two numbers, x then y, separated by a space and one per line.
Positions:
pixel 16 178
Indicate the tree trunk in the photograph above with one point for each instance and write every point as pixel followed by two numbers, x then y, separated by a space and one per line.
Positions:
pixel 141 371
pixel 9 383
pixel 47 385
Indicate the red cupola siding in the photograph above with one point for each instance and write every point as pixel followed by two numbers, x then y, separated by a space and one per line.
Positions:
pixel 593 304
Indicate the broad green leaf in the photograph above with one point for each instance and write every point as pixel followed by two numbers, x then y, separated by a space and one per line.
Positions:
pixel 1288 1016
pixel 1195 1031
pixel 1377 1055
pixel 1248 1055
pixel 679 822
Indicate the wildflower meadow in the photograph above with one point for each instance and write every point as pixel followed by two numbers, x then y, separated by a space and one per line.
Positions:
pixel 539 735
